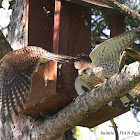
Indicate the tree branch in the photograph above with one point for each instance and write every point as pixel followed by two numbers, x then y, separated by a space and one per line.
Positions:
pixel 1 3
pixel 84 105
pixel 115 129
pixel 4 49
pixel 121 7
pixel 4 45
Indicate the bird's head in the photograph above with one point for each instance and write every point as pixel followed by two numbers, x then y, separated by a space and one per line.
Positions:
pixel 84 66
pixel 85 73
pixel 82 62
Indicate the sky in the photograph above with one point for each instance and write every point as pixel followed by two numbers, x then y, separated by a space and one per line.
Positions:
pixel 4 16
pixel 127 124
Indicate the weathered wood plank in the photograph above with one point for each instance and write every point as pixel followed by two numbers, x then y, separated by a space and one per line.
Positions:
pixel 74 38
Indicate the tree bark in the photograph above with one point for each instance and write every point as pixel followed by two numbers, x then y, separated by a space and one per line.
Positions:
pixel 55 126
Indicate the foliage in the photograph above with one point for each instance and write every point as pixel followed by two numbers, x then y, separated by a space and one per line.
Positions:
pixel 101 18
pixel 78 134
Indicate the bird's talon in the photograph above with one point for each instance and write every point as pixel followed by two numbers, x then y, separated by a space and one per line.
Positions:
pixel 97 85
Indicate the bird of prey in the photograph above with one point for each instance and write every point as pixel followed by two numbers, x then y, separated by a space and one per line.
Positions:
pixel 104 61
pixel 18 68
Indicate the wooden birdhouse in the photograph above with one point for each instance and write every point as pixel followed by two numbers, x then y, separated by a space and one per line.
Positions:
pixel 63 27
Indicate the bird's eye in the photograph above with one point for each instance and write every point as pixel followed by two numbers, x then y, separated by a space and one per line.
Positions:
pixel 84 71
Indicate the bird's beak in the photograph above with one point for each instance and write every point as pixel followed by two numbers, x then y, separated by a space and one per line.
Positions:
pixel 80 72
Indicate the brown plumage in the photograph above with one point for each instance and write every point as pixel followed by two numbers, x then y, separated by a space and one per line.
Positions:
pixel 18 68
pixel 84 66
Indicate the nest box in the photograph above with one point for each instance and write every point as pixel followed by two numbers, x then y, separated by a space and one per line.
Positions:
pixel 65 28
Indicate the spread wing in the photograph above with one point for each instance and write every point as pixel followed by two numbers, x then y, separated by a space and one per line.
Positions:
pixel 109 51
pixel 18 69
pixel 16 85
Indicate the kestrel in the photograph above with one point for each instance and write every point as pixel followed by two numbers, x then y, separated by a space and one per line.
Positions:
pixel 18 68
pixel 103 62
